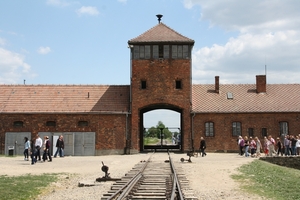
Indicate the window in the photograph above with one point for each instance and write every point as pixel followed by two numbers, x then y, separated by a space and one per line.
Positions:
pixel 178 84
pixel 155 51
pixel 50 123
pixel 209 129
pixel 142 52
pixel 179 51
pixel 185 51
pixel 250 132
pixel 166 51
pixel 174 51
pixel 18 124
pixel 161 51
pixel 83 123
pixel 147 52
pixel 264 132
pixel 284 128
pixel 143 84
pixel 236 129
pixel 136 52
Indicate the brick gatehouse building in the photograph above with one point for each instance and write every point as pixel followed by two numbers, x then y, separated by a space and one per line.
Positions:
pixel 108 119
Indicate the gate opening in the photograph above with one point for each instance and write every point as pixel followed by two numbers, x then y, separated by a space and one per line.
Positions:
pixel 161 130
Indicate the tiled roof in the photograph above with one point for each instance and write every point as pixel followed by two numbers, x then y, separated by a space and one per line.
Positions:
pixel 278 98
pixel 64 98
pixel 115 99
pixel 160 33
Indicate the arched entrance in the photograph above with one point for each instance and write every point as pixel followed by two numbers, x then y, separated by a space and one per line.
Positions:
pixel 160 136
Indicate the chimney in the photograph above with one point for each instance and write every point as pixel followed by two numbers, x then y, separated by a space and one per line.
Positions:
pixel 217 85
pixel 261 83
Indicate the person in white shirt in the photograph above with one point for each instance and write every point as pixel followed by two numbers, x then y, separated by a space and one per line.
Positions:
pixel 38 146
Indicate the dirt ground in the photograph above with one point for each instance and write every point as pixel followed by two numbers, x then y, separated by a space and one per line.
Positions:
pixel 209 177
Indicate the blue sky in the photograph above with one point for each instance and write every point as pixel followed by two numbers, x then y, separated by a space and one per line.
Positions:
pixel 85 42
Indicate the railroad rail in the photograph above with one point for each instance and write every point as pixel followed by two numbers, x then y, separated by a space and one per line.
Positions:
pixel 155 178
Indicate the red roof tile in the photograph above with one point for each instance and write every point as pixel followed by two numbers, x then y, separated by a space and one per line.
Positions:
pixel 278 98
pixel 115 99
pixel 63 98
pixel 160 33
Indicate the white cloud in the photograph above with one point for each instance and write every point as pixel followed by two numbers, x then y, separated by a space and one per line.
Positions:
pixel 44 50
pixel 88 10
pixel 59 3
pixel 12 67
pixel 268 34
pixel 2 42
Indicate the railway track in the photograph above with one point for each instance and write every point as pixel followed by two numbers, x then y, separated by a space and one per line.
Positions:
pixel 155 178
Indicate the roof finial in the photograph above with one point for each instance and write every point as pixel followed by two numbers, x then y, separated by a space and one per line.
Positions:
pixel 159 16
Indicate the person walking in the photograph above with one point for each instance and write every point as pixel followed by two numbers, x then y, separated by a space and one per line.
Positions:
pixel 252 147
pixel 279 147
pixel 26 148
pixel 38 146
pixel 59 147
pixel 287 145
pixel 298 145
pixel 202 146
pixel 271 145
pixel 33 152
pixel 246 141
pixel 241 143
pixel 293 145
pixel 258 147
pixel 47 145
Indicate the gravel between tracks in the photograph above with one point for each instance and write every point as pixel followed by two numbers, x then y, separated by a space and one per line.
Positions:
pixel 209 176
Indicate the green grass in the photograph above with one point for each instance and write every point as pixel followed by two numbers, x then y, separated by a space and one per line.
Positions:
pixel 151 140
pixel 269 180
pixel 24 187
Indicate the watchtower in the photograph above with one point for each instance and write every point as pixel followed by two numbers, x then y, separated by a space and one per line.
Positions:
pixel 160 79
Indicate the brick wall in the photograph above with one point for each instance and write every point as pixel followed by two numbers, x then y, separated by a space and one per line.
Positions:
pixel 160 77
pixel 110 128
pixel 223 139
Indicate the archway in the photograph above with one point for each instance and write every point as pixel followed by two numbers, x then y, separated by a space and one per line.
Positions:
pixel 160 128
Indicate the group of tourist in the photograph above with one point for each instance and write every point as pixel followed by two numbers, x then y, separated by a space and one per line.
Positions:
pixel 253 147
pixel 33 148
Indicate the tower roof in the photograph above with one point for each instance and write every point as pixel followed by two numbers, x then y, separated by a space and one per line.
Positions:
pixel 161 33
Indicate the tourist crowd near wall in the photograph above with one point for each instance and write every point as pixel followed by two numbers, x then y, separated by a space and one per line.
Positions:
pixel 108 119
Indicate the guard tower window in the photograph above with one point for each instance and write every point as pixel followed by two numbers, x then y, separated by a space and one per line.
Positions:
pixel 142 52
pixel 166 51
pixel 51 123
pixel 143 84
pixel 136 52
pixel 147 52
pixel 179 51
pixel 18 124
pixel 174 51
pixel 185 52
pixel 161 51
pixel 178 84
pixel 155 51
pixel 83 123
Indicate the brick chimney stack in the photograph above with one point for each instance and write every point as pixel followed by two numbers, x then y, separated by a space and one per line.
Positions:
pixel 217 85
pixel 261 83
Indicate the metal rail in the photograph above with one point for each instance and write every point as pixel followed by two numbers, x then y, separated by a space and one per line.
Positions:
pixel 153 180
pixel 128 186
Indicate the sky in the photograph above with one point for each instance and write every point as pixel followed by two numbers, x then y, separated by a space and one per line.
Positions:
pixel 85 42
